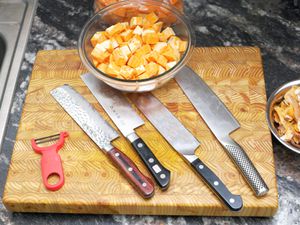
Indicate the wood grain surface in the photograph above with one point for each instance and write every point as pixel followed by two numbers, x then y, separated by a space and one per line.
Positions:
pixel 94 185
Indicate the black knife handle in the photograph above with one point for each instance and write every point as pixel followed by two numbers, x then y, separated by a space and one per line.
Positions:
pixel 158 171
pixel 233 202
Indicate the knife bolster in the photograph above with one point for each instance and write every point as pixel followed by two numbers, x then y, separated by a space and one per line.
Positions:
pixel 132 137
pixel 108 147
pixel 190 158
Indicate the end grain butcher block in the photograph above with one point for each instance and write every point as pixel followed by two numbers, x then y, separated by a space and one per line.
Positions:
pixel 94 185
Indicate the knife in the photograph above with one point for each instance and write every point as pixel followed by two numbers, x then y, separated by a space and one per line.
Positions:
pixel 102 134
pixel 221 122
pixel 185 144
pixel 126 119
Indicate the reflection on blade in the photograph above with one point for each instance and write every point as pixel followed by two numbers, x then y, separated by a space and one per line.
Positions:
pixel 166 123
pixel 115 104
pixel 85 115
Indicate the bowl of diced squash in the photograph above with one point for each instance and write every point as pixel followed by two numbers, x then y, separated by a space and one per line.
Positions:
pixel 136 45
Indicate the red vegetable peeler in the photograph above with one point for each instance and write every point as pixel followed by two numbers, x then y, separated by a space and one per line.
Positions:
pixel 51 161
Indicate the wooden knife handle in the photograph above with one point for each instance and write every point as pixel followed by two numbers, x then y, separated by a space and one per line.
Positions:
pixel 142 184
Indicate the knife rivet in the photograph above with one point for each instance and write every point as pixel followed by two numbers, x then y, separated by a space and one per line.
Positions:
pixel 144 184
pixel 201 167
pixel 130 169
pixel 140 145
pixel 231 200
pixel 151 160
pixel 162 176
pixel 117 154
pixel 216 183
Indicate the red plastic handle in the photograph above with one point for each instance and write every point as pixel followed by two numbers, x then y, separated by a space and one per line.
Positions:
pixel 51 165
pixel 51 162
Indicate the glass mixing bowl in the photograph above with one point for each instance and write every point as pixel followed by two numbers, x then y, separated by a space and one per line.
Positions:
pixel 122 12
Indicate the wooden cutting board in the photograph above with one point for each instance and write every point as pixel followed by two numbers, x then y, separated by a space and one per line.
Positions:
pixel 94 185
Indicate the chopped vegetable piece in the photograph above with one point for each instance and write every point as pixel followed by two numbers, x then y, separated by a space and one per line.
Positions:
pixel 113 70
pixel 135 61
pixel 143 76
pixel 171 54
pixel 102 67
pixel 98 38
pixel 174 42
pixel 119 58
pixel 183 46
pixel 125 50
pixel 168 32
pixel 95 62
pixel 126 35
pixel 100 54
pixel 152 56
pixel 170 65
pixel 146 23
pixel 117 38
pixel 136 21
pixel 106 45
pixel 162 61
pixel 138 30
pixel 127 72
pixel 161 69
pixel 150 37
pixel 157 26
pixel 152 18
pixel 140 69
pixel 114 43
pixel 151 69
pixel 134 44
pixel 142 51
pixel 159 46
pixel 115 29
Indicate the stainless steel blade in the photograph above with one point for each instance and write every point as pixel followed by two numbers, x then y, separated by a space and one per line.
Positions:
pixel 221 122
pixel 166 123
pixel 85 116
pixel 115 104
pixel 217 117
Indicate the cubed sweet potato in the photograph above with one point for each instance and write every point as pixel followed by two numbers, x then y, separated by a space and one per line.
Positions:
pixel 142 51
pixel 134 44
pixel 127 72
pixel 119 58
pixel 113 70
pixel 152 17
pixel 98 37
pixel 102 67
pixel 115 29
pixel 140 69
pixel 126 35
pixel 157 26
pixel 136 21
pixel 135 61
pixel 168 32
pixel 151 69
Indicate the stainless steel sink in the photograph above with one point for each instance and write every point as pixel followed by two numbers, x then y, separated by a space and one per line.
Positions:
pixel 15 22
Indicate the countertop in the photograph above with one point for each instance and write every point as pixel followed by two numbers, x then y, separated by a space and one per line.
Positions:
pixel 272 25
